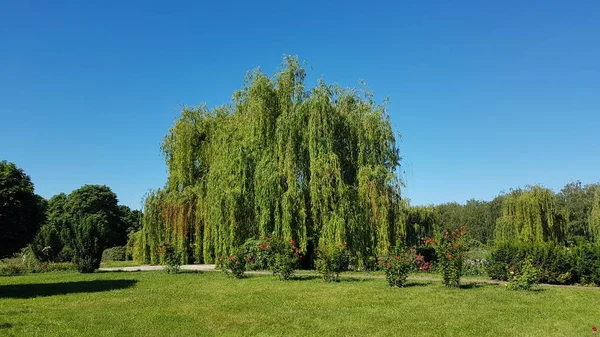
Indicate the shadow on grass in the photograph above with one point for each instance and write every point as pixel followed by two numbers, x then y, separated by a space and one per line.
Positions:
pixel 306 277
pixel 5 326
pixel 51 289
pixel 417 284
pixel 474 285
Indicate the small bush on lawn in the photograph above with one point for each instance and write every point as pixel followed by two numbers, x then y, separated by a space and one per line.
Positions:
pixel 400 263
pixel 235 264
pixel 259 252
pixel 171 257
pixel 526 279
pixel 118 253
pixel 331 261
pixel 284 258
pixel 451 250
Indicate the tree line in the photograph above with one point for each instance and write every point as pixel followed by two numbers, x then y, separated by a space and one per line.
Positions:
pixel 318 166
pixel 75 227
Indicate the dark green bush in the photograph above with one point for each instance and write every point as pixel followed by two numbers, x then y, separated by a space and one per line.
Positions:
pixel 118 253
pixel 586 263
pixel 556 264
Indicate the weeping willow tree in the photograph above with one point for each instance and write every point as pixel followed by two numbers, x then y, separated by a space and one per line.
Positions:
pixel 530 215
pixel 594 221
pixel 318 166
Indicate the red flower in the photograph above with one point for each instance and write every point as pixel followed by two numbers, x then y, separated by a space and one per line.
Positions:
pixel 594 329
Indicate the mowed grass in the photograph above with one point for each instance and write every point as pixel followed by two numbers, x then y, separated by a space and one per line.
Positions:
pixel 208 304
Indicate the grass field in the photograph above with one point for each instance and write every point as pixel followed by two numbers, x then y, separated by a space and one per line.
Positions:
pixel 206 304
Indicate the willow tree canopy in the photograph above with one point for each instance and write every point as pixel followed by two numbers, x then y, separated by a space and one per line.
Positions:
pixel 530 215
pixel 317 166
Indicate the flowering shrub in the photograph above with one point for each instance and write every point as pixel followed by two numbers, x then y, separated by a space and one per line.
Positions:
pixel 451 251
pixel 259 252
pixel 331 261
pixel 171 257
pixel 234 265
pixel 283 258
pixel 527 279
pixel 398 265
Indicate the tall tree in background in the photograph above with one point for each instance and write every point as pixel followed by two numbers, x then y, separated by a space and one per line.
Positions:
pixel 21 210
pixel 317 166
pixel 93 220
pixel 594 218
pixel 530 215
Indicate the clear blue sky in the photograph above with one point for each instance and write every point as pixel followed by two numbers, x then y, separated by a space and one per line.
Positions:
pixel 488 95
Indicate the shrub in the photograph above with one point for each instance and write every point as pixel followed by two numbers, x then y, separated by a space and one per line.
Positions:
pixel 89 237
pixel 586 264
pixel 283 259
pixel 400 263
pixel 258 253
pixel 26 263
pixel 556 264
pixel 66 254
pixel 118 253
pixel 171 258
pixel 502 260
pixel 234 265
pixel 526 279
pixel 331 261
pixel 451 251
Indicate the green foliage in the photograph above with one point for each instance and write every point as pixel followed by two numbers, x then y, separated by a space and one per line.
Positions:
pixel 400 263
pixel 317 166
pixel 100 202
pixel 25 262
pixel 88 240
pixel 284 258
pixel 556 264
pixel 331 261
pixel 451 250
pixel 47 244
pixel 594 217
pixel 259 252
pixel 530 215
pixel 235 265
pixel 118 253
pixel 526 279
pixel 21 210
pixel 171 257
pixel 130 220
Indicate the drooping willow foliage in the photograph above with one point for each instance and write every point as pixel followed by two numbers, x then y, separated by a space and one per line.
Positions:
pixel 530 215
pixel 318 166
pixel 594 221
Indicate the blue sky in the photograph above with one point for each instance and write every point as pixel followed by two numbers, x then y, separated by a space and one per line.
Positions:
pixel 488 95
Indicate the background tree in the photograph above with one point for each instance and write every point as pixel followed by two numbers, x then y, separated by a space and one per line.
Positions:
pixel 94 224
pixel 131 220
pixel 317 166
pixel 530 215
pixel 594 218
pixel 51 243
pixel 21 210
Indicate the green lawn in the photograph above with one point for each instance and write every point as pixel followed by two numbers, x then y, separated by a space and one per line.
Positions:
pixel 199 304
